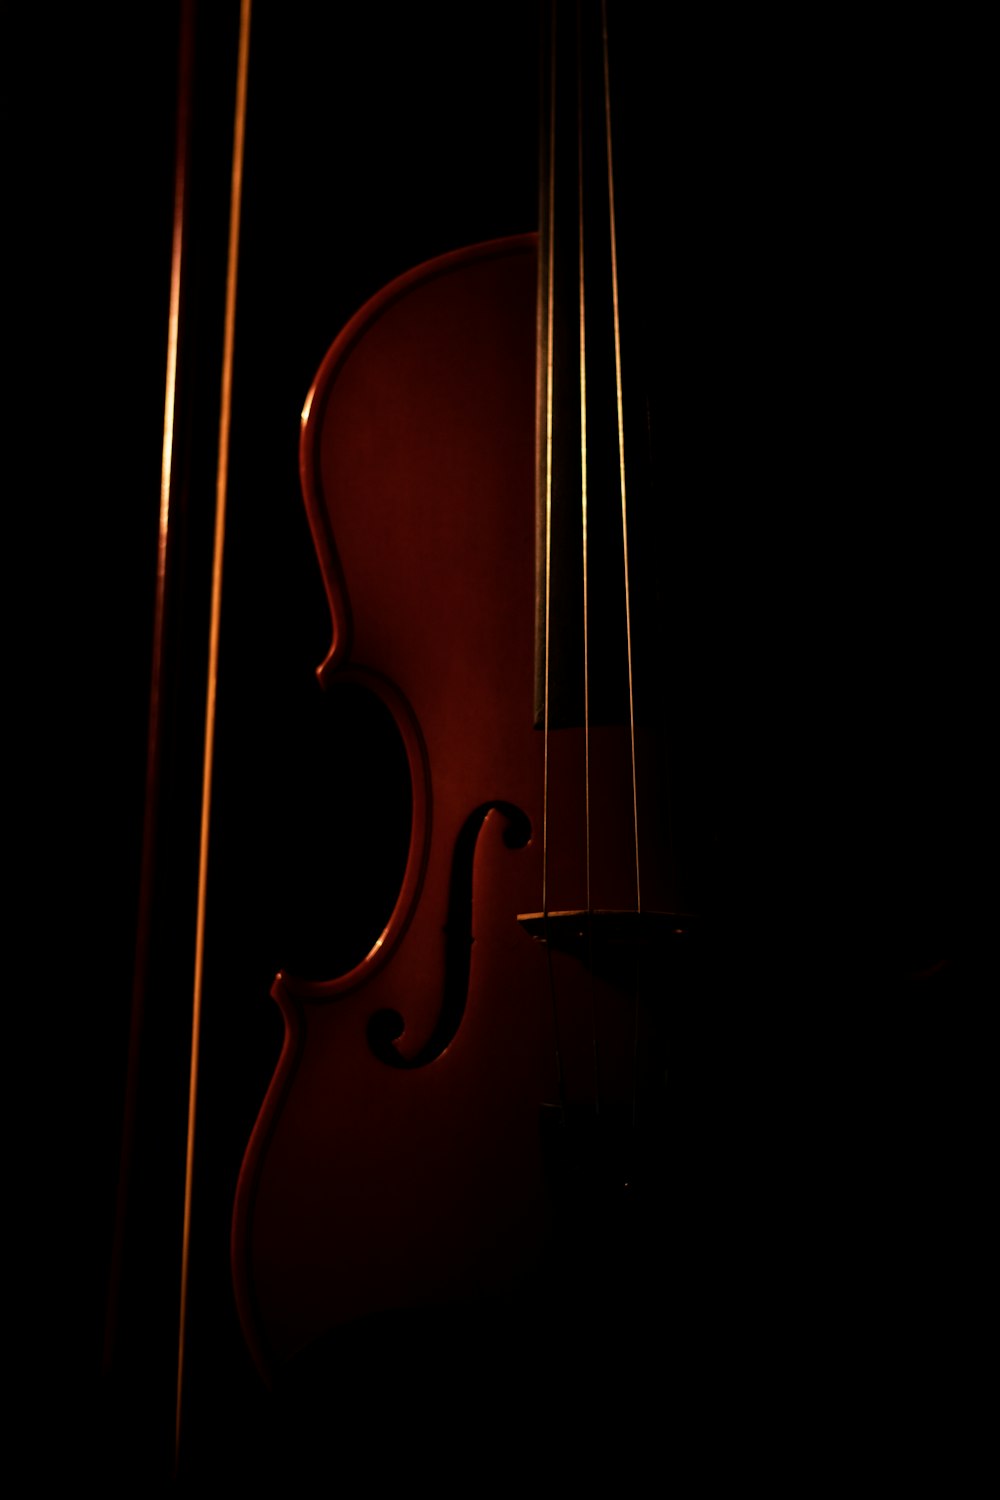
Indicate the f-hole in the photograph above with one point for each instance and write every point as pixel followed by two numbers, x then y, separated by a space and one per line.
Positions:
pixel 386 1026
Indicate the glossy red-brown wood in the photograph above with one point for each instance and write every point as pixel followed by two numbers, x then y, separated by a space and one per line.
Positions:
pixel 367 1187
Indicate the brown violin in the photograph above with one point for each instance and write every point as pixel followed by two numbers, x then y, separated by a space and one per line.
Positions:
pixel 461 1126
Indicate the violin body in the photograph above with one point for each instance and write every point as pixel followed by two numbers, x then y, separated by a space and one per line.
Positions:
pixel 400 1161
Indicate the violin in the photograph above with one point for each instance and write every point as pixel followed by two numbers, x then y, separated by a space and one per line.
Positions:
pixel 467 1148
pixel 467 1128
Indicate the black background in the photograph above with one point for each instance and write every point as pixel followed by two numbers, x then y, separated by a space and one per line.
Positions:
pixel 814 201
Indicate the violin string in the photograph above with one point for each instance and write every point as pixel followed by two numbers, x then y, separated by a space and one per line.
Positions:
pixel 582 300
pixel 225 407
pixel 619 403
pixel 583 461
pixel 547 271
pixel 613 235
